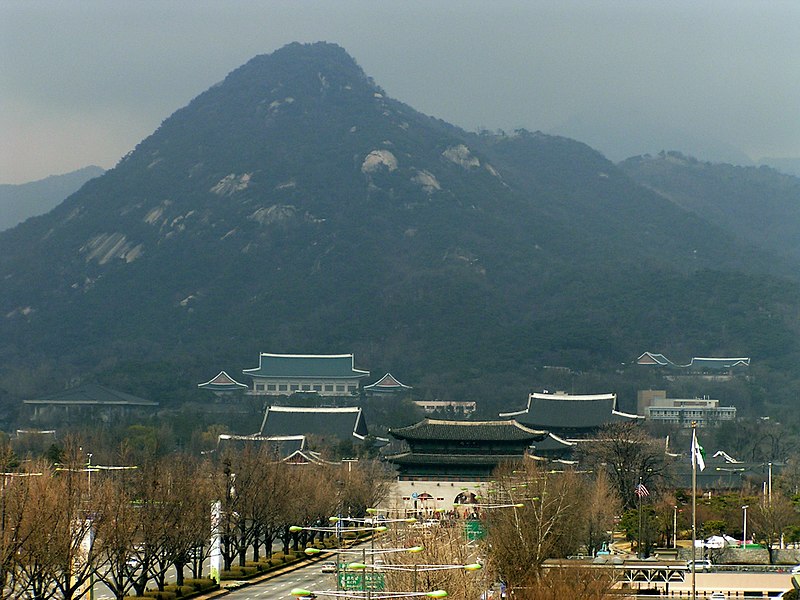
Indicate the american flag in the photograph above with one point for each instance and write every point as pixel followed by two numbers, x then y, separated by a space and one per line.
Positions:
pixel 641 491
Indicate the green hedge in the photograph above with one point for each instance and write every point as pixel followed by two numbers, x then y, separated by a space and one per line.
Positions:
pixel 201 585
pixel 156 595
pixel 251 569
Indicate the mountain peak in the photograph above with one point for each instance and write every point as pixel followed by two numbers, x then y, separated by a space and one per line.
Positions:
pixel 295 207
pixel 317 69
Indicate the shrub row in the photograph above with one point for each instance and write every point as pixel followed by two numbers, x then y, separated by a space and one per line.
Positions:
pixel 191 588
pixel 251 569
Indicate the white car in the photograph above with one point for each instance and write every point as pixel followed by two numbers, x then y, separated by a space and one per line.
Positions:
pixel 328 567
pixel 796 569
pixel 716 596
pixel 699 565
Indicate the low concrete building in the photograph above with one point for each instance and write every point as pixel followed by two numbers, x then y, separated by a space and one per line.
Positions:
pixel 655 406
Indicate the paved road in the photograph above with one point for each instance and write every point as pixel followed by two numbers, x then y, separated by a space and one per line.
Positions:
pixel 309 577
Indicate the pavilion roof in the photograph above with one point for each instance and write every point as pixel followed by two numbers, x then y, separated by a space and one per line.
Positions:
pixel 328 366
pixel 92 394
pixel 222 382
pixel 439 429
pixel 569 411
pixel 387 383
pixel 280 445
pixel 344 423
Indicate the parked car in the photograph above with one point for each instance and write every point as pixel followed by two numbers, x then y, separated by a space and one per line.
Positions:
pixel 796 569
pixel 328 567
pixel 699 565
pixel 716 596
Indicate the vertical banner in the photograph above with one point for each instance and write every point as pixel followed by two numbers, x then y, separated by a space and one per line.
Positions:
pixel 83 529
pixel 215 557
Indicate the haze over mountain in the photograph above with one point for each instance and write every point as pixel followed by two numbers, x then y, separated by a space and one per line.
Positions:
pixel 759 205
pixel 22 201
pixel 294 207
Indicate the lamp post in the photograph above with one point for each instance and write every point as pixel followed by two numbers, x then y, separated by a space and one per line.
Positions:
pixel 769 503
pixel 675 526
pixel 744 525
pixel 421 568
pixel 363 553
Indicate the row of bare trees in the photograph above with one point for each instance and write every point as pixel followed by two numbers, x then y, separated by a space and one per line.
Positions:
pixel 67 525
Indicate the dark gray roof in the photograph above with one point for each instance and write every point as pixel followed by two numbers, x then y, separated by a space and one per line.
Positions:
pixel 552 443
pixel 92 394
pixel 416 458
pixel 306 366
pixel 343 423
pixel 282 446
pixel 569 412
pixel 437 429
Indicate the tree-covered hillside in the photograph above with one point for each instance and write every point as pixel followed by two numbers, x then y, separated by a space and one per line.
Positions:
pixel 295 208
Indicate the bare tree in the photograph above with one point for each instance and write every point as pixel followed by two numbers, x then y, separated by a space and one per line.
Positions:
pixel 17 524
pixel 541 518
pixel 419 572
pixel 630 456
pixel 602 507
pixel 770 520
pixel 116 534
pixel 56 559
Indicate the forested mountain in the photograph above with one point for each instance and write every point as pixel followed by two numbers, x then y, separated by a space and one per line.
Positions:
pixel 294 207
pixel 757 204
pixel 22 201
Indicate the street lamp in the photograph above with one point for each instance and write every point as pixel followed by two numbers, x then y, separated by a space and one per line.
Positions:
pixel 363 552
pixel 420 568
pixel 744 525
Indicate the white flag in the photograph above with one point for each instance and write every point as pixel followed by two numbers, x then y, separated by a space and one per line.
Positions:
pixel 698 454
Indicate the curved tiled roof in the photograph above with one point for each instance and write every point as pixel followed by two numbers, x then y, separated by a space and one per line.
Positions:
pixel 566 411
pixel 343 423
pixel 306 365
pixel 387 383
pixel 417 458
pixel 222 383
pixel 438 429
pixel 92 394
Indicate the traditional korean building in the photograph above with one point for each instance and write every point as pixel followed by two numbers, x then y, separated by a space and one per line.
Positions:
pixel 698 364
pixel 87 403
pixel 570 416
pixel 279 445
pixel 321 374
pixel 552 447
pixel 334 424
pixel 387 386
pixel 460 450
pixel 291 449
pixel 223 385
pixel 725 473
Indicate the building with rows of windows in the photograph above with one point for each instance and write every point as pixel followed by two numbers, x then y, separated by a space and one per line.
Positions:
pixel 321 374
pixel 655 406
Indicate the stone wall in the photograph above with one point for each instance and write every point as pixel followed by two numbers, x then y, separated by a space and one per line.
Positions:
pixel 739 556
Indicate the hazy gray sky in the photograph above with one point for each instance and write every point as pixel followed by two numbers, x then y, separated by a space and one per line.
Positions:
pixel 82 82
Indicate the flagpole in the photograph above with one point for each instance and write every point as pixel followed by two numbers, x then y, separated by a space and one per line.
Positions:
pixel 694 512
pixel 639 545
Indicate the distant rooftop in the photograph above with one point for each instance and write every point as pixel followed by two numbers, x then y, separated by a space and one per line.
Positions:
pixel 327 366
pixel 91 394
